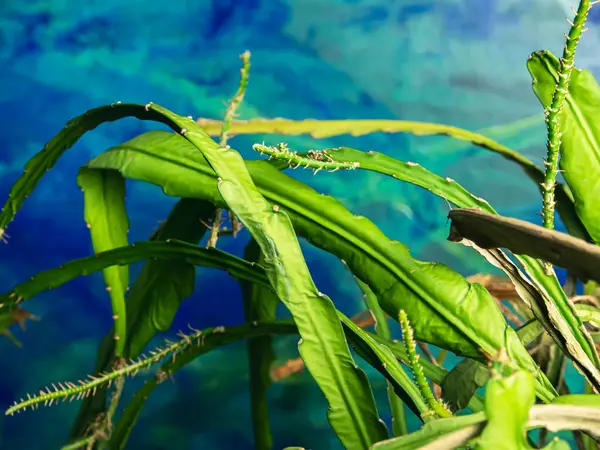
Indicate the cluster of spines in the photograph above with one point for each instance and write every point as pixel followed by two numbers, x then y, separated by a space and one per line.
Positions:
pixel 69 391
pixel 438 408
pixel 313 159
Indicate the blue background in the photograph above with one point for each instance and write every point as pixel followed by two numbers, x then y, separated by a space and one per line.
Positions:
pixel 460 62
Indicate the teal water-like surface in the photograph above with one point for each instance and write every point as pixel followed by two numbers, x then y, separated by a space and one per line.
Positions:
pixel 460 62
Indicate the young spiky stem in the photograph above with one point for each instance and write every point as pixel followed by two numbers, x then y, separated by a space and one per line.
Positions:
pixel 70 391
pixel 314 159
pixel 224 136
pixel 437 407
pixel 553 112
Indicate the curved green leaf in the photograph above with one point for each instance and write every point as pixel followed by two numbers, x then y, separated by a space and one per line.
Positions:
pixel 161 250
pixel 435 430
pixel 545 294
pixel 154 297
pixel 105 216
pixel 438 300
pixel 580 149
pixel 328 128
pixel 352 413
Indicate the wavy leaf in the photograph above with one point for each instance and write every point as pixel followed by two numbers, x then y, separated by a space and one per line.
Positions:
pixel 439 310
pixel 545 294
pixel 580 149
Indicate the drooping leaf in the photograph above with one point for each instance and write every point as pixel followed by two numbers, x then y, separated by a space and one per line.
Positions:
pixel 550 305
pixel 524 238
pixel 580 149
pixel 462 382
pixel 260 304
pixel 105 215
pixel 439 310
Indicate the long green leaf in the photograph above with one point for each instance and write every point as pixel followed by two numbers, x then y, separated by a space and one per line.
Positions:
pixel 328 128
pixel 160 250
pixel 105 215
pixel 580 149
pixel 260 304
pixel 434 430
pixel 546 296
pixel 352 413
pixel 438 300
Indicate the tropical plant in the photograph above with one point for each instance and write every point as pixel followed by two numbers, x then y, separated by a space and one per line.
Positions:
pixel 516 353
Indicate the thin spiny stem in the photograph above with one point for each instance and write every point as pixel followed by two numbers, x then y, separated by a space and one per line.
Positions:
pixel 81 389
pixel 437 407
pixel 234 103
pixel 554 111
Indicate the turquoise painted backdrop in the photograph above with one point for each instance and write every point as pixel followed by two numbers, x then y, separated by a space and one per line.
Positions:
pixel 460 62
